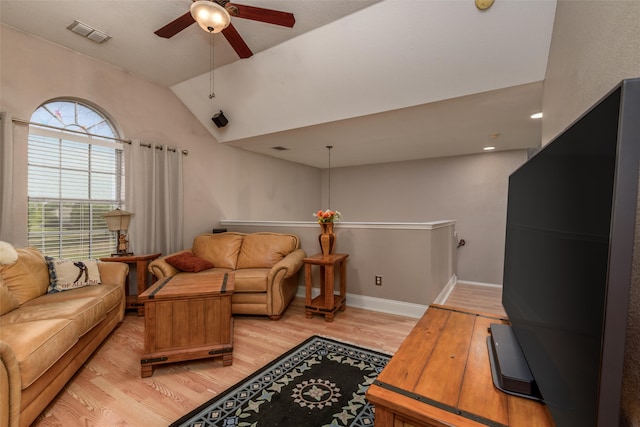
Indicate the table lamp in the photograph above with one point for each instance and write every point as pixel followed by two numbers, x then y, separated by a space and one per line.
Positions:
pixel 118 221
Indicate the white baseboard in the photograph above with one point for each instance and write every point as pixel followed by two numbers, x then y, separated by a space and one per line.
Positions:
pixel 446 291
pixel 382 305
pixel 468 282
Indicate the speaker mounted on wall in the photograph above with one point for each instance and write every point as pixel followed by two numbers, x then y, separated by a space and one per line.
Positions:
pixel 219 119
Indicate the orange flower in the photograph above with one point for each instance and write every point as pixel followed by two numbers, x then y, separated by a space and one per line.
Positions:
pixel 328 216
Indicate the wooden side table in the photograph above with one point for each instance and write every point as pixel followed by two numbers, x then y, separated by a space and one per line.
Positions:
pixel 186 319
pixel 441 376
pixel 142 263
pixel 327 302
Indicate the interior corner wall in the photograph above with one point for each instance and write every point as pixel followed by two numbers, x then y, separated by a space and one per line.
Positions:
pixel 631 374
pixel 220 182
pixel 470 190
pixel 595 45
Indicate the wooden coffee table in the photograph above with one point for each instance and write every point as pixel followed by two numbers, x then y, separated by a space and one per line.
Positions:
pixel 186 319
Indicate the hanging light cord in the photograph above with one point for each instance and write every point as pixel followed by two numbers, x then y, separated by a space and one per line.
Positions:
pixel 211 94
pixel 329 197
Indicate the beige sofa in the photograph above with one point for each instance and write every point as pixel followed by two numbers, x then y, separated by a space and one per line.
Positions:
pixel 266 267
pixel 46 338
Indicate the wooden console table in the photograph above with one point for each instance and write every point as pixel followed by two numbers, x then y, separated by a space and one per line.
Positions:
pixel 440 376
pixel 327 302
pixel 141 262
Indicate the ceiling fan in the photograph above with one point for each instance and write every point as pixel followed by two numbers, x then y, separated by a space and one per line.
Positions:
pixel 227 10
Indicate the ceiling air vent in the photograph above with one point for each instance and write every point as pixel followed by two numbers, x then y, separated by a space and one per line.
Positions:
pixel 89 32
pixel 279 148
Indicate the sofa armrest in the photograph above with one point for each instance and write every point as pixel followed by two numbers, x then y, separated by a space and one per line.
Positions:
pixel 162 269
pixel 10 387
pixel 113 272
pixel 286 267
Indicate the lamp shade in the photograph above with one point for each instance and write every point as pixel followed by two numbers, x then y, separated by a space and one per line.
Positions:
pixel 118 220
pixel 210 15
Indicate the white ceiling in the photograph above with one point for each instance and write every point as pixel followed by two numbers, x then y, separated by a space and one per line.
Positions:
pixel 435 108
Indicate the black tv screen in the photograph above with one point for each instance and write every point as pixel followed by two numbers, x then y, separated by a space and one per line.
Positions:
pixel 568 256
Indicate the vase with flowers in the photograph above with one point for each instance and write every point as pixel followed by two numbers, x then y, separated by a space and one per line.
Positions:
pixel 327 237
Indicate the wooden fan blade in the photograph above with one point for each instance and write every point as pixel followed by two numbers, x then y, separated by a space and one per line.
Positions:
pixel 269 16
pixel 175 26
pixel 236 42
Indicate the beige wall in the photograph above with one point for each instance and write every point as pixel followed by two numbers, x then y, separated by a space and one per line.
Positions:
pixel 220 182
pixel 416 261
pixel 470 190
pixel 226 183
pixel 596 44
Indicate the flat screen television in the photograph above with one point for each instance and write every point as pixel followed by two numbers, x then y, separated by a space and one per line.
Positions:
pixel 568 256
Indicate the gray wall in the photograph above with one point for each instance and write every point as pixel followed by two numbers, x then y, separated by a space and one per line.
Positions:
pixel 596 44
pixel 470 190
pixel 220 181
pixel 416 261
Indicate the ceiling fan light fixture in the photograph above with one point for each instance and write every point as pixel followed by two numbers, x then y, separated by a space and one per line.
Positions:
pixel 210 16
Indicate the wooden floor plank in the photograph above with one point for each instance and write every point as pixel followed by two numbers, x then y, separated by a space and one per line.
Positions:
pixel 108 391
pixel 479 298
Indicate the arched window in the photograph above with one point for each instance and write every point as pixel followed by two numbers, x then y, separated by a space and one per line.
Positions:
pixel 75 175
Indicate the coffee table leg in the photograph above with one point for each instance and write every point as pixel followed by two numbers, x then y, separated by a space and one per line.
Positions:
pixel 227 359
pixel 146 371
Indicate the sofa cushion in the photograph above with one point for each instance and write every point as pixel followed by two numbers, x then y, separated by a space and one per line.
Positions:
pixel 25 277
pixel 35 262
pixel 187 261
pixel 111 294
pixel 85 313
pixel 264 250
pixel 7 301
pixel 221 249
pixel 66 274
pixel 38 345
pixel 251 280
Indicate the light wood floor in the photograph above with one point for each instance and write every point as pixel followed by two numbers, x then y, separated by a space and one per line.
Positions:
pixel 486 299
pixel 108 390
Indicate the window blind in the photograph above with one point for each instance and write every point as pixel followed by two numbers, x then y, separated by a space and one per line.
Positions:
pixel 72 183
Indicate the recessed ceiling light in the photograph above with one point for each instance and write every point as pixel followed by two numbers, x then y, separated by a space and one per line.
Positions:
pixel 489 148
pixel 536 115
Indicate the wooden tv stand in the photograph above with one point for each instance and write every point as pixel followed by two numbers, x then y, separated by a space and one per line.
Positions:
pixel 440 376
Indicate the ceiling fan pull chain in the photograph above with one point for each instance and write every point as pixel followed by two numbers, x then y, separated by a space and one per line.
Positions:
pixel 211 94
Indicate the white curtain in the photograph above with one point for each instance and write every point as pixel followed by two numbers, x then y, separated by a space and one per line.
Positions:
pixel 6 178
pixel 154 194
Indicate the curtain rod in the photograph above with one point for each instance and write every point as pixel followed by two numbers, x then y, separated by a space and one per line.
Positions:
pixel 125 141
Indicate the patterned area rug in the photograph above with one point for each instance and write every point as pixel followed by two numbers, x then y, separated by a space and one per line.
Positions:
pixel 321 382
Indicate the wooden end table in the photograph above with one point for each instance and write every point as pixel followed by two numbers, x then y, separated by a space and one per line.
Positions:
pixel 441 376
pixel 142 263
pixel 186 319
pixel 328 302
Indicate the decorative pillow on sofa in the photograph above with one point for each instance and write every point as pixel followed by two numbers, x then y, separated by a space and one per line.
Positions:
pixel 187 261
pixel 8 254
pixel 68 274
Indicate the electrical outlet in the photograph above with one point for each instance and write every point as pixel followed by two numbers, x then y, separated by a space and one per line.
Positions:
pixel 378 280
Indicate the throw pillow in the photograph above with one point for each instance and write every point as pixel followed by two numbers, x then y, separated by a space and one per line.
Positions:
pixel 8 254
pixel 187 261
pixel 68 274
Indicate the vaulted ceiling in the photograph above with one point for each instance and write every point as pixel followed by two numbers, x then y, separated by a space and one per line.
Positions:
pixel 380 80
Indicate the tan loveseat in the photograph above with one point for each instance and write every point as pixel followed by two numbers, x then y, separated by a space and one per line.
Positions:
pixel 46 338
pixel 266 267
